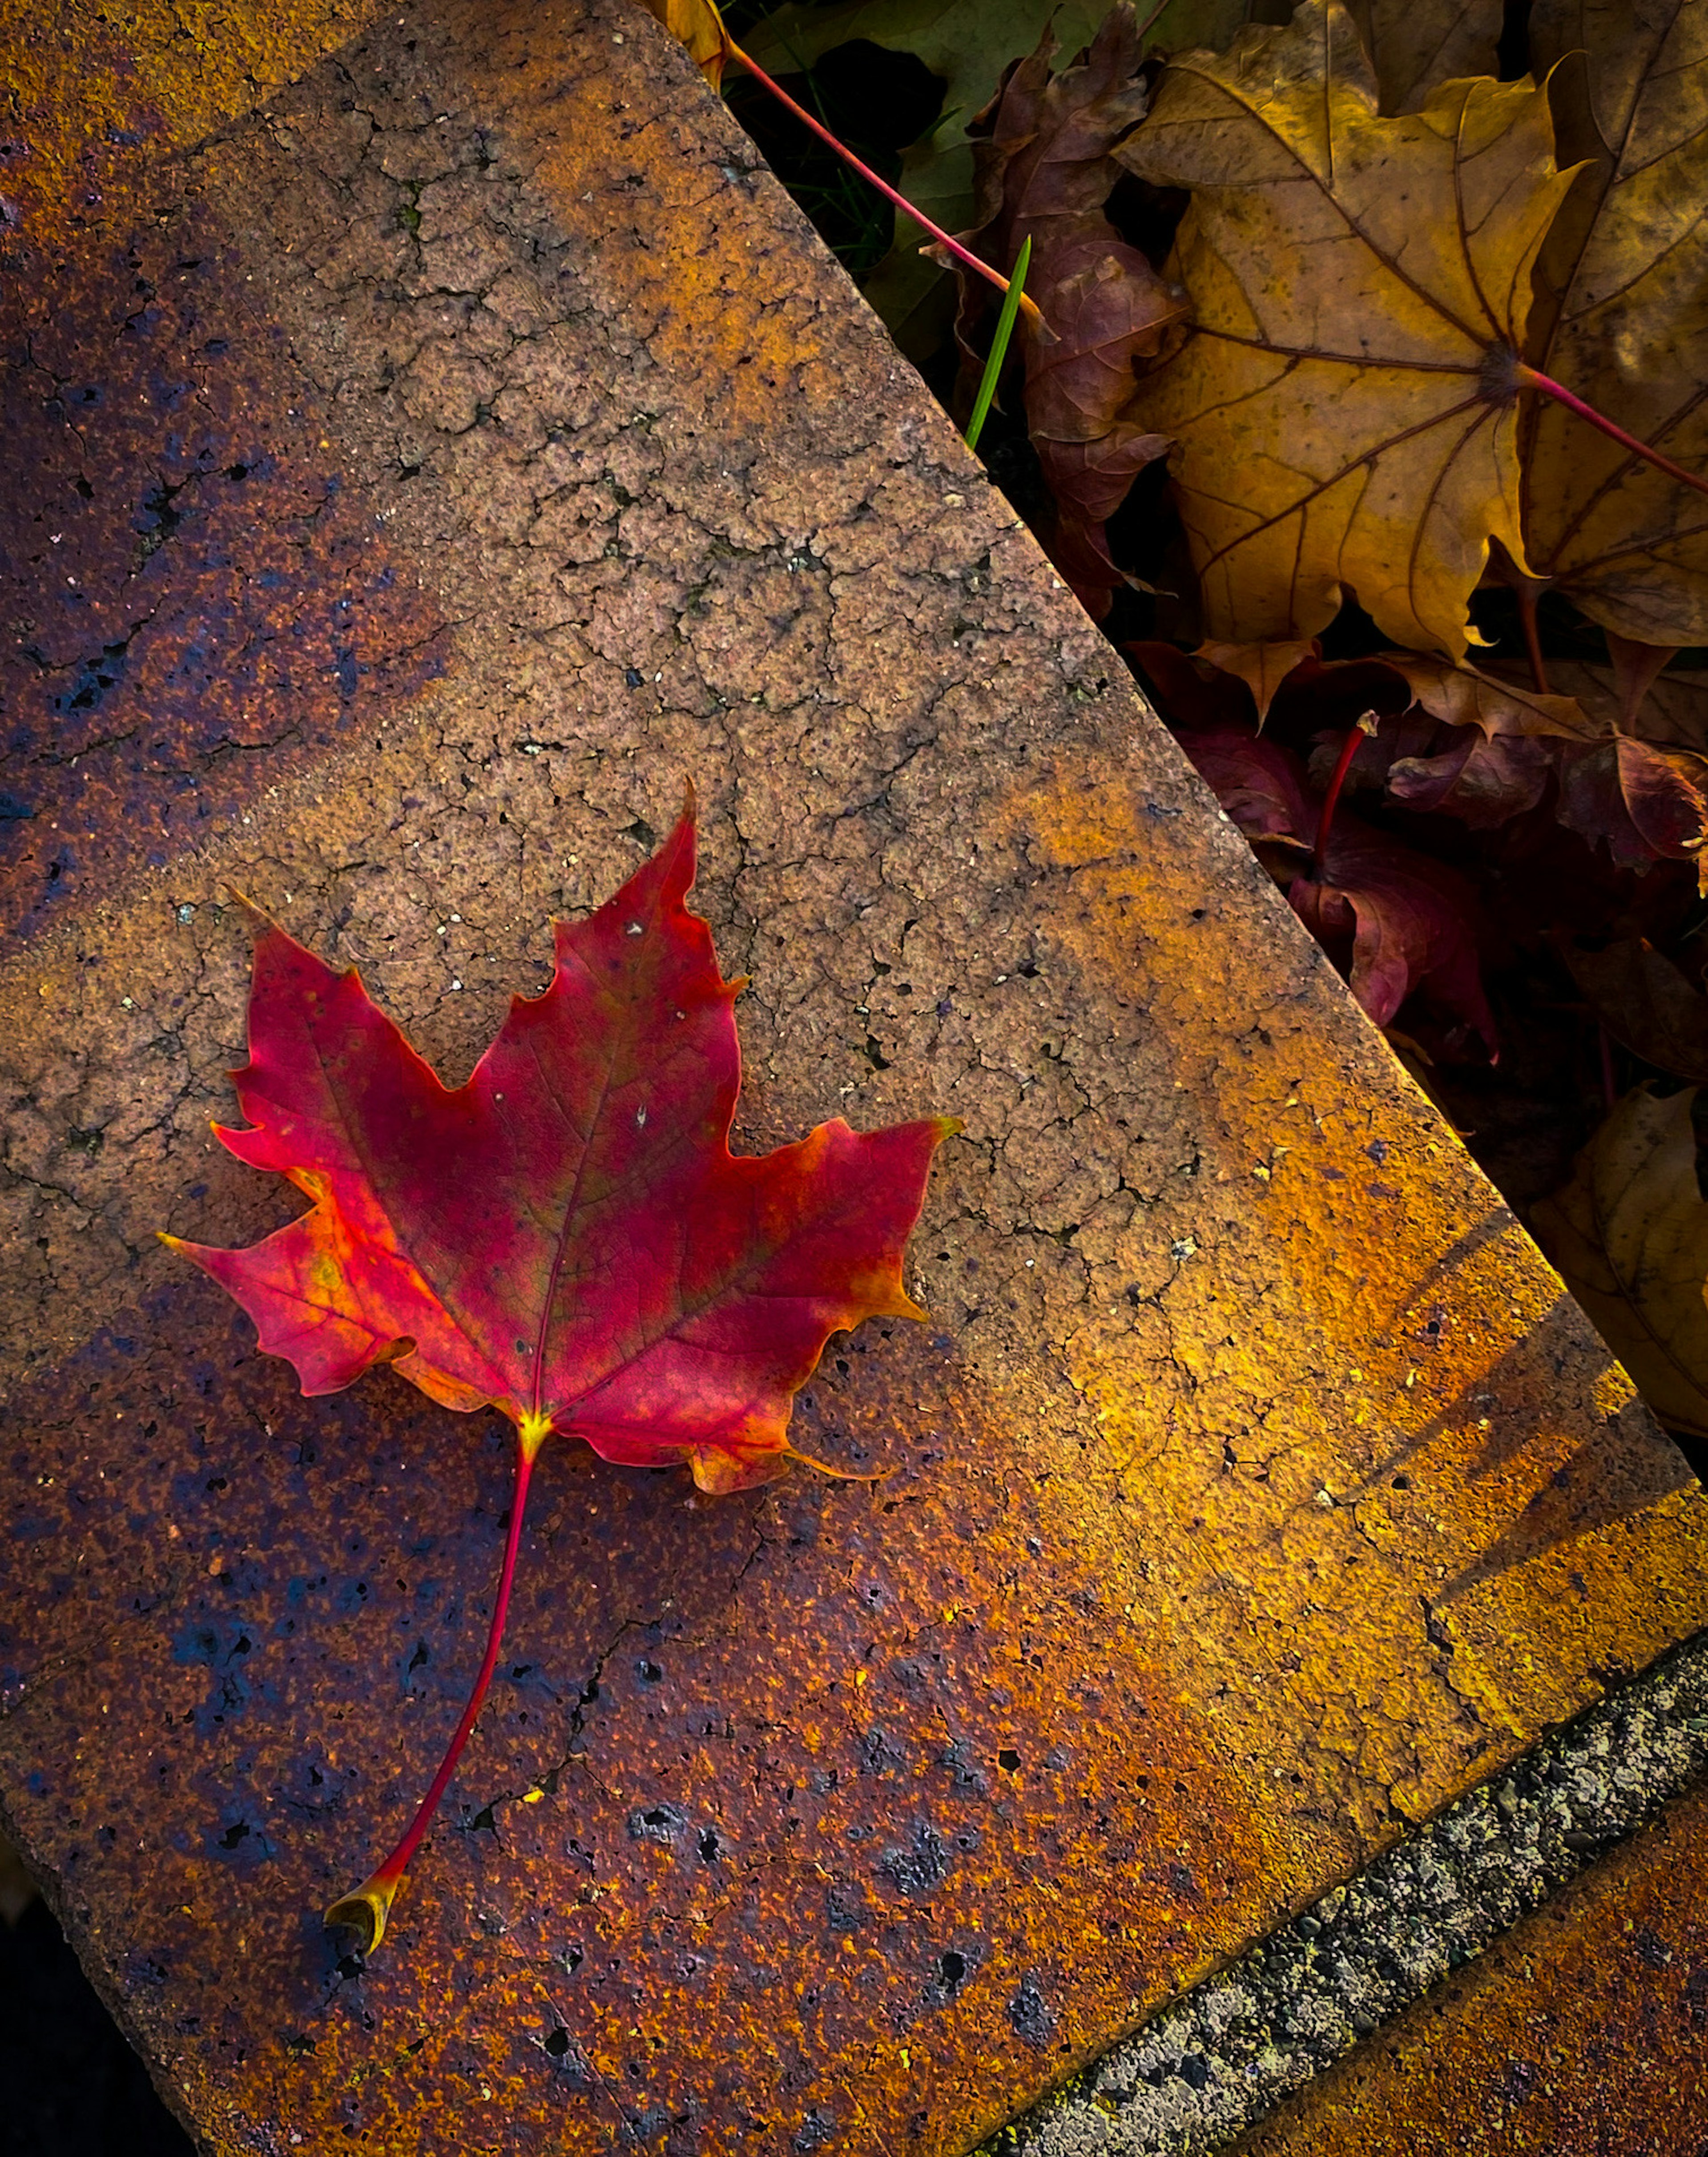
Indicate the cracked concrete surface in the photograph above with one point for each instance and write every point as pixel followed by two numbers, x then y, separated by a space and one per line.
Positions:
pixel 1215 2063
pixel 1254 1488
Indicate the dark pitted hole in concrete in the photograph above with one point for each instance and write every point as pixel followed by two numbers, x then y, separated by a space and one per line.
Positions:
pixel 1009 1759
pixel 559 2043
pixel 662 1824
pixel 711 1848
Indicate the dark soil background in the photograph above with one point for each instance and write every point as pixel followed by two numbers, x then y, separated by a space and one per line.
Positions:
pixel 70 2085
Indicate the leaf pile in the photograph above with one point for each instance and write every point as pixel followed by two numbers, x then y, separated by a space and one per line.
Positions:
pixel 1325 303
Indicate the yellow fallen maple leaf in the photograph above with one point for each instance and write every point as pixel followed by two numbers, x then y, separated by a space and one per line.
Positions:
pixel 1415 44
pixel 1463 697
pixel 1345 401
pixel 1623 317
pixel 697 25
pixel 1629 1234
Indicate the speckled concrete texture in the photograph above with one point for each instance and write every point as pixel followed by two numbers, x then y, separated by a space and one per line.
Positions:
pixel 1199 2076
pixel 1254 1489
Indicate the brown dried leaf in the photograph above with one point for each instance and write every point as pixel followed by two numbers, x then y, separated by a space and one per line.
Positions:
pixel 1463 697
pixel 1622 316
pixel 1645 1001
pixel 1416 45
pixel 1343 401
pixel 1263 667
pixel 1045 171
pixel 1672 711
pixel 1637 667
pixel 1630 1234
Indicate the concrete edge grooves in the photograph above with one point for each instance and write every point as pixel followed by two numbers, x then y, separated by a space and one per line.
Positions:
pixel 1212 2065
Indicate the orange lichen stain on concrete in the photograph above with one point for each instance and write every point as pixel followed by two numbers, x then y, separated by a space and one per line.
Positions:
pixel 86 87
pixel 707 276
pixel 1579 2033
pixel 1373 1567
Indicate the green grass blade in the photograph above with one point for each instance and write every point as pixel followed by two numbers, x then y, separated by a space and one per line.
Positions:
pixel 998 345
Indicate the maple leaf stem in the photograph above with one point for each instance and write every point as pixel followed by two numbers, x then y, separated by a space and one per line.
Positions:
pixel 1528 377
pixel 1532 639
pixel 1028 306
pixel 1326 822
pixel 366 1908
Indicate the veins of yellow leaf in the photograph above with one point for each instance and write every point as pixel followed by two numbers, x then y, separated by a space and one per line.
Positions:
pixel 1344 404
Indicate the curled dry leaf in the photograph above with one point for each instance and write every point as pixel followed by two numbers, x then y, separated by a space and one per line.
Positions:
pixel 1644 794
pixel 1630 1234
pixel 1344 399
pixel 1044 171
pixel 1409 923
pixel 1647 1002
pixel 1484 782
pixel 1645 803
pixel 1621 318
pixel 1463 697
pixel 567 1237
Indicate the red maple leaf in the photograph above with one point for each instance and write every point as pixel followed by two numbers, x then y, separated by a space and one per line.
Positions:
pixel 567 1237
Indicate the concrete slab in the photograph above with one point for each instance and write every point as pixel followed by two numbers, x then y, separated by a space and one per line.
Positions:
pixel 1579 2035
pixel 413 480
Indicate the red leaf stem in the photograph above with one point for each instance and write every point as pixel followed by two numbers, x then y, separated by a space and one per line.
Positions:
pixel 1529 379
pixel 1326 822
pixel 366 1908
pixel 1028 306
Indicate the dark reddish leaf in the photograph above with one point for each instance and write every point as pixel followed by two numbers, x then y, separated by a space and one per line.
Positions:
pixel 1645 1001
pixel 1411 924
pixel 1645 802
pixel 1188 692
pixel 1044 171
pixel 567 1237
pixel 1422 765
pixel 1482 782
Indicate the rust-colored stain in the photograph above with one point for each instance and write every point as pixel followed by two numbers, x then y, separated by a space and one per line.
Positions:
pixel 789 1809
pixel 82 87
pixel 1579 2034
pixel 1254 1488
